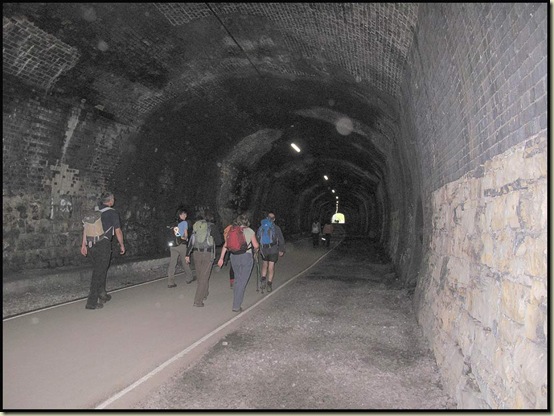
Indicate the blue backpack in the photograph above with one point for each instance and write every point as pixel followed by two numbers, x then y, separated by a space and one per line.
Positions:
pixel 266 233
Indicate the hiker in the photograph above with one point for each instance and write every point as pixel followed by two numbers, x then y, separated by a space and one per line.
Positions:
pixel 242 244
pixel 179 250
pixel 202 246
pixel 100 250
pixel 272 246
pixel 328 230
pixel 316 229
pixel 227 258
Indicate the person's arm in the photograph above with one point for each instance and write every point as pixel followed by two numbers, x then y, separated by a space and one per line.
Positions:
pixel 84 249
pixel 255 243
pixel 119 236
pixel 190 248
pixel 222 255
pixel 281 242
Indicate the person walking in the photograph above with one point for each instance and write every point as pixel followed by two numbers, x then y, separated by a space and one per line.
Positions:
pixel 179 250
pixel 316 230
pixel 272 246
pixel 242 258
pixel 328 230
pixel 100 251
pixel 227 258
pixel 202 246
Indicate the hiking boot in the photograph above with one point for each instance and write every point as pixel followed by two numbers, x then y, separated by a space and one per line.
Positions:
pixel 269 289
pixel 97 306
pixel 191 280
pixel 105 297
pixel 198 305
pixel 262 283
pixel 239 310
pixel 173 285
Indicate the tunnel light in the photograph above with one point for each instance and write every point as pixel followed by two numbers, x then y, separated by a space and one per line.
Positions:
pixel 295 147
pixel 337 198
pixel 325 177
pixel 332 190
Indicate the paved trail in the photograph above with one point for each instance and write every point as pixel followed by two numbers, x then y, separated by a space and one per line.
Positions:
pixel 339 336
pixel 342 336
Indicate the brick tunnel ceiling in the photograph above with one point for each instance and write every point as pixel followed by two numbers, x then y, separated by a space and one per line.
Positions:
pixel 204 76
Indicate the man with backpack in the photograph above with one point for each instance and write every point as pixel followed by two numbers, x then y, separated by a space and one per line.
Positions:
pixel 202 244
pixel 272 246
pixel 97 242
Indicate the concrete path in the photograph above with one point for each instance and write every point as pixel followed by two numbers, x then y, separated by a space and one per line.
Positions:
pixel 337 332
pixel 341 336
pixel 67 357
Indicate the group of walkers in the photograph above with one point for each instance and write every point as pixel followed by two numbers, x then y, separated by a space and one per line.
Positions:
pixel 316 233
pixel 240 245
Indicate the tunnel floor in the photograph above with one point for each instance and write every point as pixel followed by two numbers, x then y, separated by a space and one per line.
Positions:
pixel 337 332
pixel 341 336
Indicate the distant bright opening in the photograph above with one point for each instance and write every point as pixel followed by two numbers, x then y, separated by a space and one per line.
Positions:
pixel 295 147
pixel 338 218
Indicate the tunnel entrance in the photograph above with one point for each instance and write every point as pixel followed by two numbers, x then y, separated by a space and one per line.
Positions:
pixel 338 218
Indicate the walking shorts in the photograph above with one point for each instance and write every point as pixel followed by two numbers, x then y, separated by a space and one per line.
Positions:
pixel 270 256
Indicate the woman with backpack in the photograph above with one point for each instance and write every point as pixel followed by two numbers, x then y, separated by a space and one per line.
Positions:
pixel 179 250
pixel 242 243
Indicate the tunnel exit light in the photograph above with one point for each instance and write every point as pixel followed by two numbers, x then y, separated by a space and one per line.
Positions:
pixel 295 147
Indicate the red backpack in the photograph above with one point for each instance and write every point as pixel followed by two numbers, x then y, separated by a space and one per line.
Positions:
pixel 236 243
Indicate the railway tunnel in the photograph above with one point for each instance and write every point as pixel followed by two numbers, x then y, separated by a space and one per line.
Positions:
pixel 424 124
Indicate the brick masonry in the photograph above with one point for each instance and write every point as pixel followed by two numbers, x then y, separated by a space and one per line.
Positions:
pixel 57 158
pixel 475 116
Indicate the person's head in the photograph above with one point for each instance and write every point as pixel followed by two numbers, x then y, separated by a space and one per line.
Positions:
pixel 242 221
pixel 271 216
pixel 182 214
pixel 107 198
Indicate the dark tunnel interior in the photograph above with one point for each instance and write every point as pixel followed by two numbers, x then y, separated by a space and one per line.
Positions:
pixel 331 127
pixel 429 121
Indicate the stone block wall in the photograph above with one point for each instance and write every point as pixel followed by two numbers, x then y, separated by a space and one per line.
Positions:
pixel 474 104
pixel 482 298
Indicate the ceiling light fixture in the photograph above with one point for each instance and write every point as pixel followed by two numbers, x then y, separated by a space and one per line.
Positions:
pixel 325 177
pixel 295 147
pixel 332 190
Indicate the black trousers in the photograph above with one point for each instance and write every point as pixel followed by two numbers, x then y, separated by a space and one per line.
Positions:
pixel 101 254
pixel 315 239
